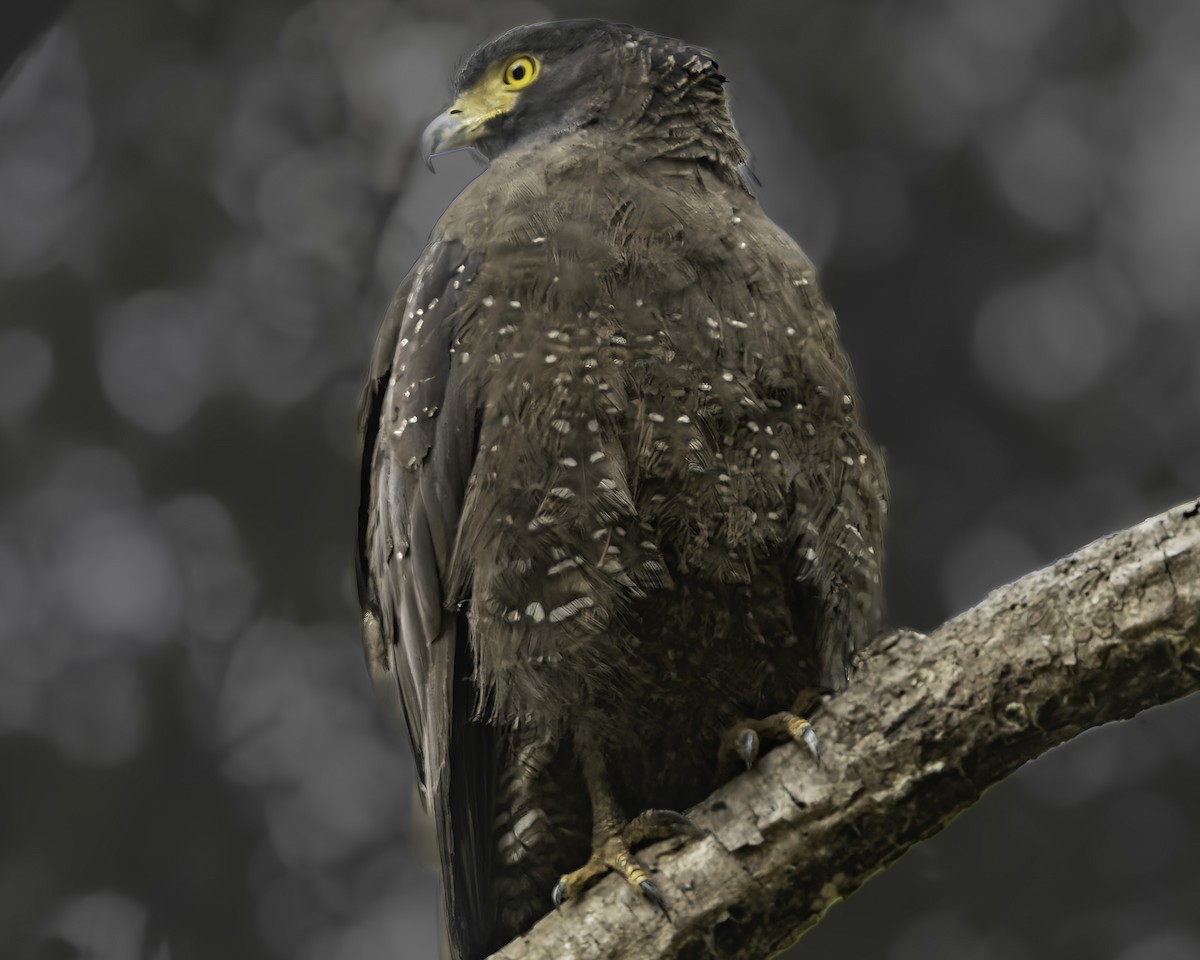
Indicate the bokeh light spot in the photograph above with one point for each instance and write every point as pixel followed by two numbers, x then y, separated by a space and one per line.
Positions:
pixel 117 577
pixel 105 925
pixel 982 560
pixel 1048 340
pixel 155 360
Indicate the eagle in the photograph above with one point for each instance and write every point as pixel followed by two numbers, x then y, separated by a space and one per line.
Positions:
pixel 621 522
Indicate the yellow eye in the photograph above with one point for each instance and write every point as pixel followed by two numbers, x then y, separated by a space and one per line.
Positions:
pixel 521 71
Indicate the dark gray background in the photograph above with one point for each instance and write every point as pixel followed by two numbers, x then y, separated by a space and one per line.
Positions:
pixel 204 208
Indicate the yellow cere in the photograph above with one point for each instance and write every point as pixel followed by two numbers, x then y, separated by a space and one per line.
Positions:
pixel 493 94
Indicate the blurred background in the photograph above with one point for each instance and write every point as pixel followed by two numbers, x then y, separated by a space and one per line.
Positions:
pixel 204 208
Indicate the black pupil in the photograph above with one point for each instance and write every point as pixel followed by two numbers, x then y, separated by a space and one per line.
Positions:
pixel 518 71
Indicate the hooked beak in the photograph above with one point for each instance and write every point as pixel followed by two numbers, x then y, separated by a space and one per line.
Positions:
pixel 446 133
pixel 460 126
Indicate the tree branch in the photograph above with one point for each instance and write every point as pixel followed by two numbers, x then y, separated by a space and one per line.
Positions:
pixel 928 723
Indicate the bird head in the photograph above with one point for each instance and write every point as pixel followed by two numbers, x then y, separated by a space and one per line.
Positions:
pixel 546 79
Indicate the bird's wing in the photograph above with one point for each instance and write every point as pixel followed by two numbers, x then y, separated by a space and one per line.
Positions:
pixel 418 424
pixel 840 496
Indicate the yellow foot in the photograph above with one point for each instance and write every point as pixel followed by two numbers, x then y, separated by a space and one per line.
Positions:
pixel 743 741
pixel 612 851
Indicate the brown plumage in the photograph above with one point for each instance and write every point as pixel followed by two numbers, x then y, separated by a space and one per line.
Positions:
pixel 617 494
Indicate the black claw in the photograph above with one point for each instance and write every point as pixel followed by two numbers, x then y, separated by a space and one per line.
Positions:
pixel 651 893
pixel 680 820
pixel 748 748
pixel 813 744
pixel 672 817
pixel 559 894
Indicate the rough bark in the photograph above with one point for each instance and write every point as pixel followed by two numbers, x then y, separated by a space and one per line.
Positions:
pixel 928 723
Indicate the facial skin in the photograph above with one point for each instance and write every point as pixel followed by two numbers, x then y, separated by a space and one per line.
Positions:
pixel 530 82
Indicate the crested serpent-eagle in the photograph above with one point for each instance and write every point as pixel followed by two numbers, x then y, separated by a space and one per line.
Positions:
pixel 618 503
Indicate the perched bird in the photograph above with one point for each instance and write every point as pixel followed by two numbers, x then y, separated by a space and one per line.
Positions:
pixel 618 503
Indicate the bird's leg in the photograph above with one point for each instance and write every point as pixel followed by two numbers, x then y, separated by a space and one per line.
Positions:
pixel 614 837
pixel 526 827
pixel 742 742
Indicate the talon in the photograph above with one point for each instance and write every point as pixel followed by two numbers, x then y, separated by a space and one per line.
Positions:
pixel 614 837
pixel 744 741
pixel 613 852
pixel 748 748
pixel 685 823
pixel 651 893
pixel 814 745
